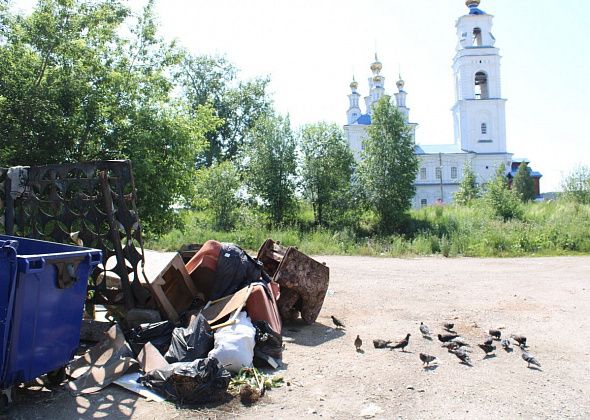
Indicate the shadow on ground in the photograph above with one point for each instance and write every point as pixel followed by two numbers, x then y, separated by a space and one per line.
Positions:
pixel 300 333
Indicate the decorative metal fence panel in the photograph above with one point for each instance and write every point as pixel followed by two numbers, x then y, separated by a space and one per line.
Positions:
pixel 91 204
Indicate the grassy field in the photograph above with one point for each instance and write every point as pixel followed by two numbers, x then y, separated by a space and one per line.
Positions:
pixel 557 227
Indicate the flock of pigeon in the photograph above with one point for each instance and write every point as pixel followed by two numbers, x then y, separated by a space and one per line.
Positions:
pixel 454 344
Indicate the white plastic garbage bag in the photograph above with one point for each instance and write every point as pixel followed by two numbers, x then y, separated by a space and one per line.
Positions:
pixel 234 344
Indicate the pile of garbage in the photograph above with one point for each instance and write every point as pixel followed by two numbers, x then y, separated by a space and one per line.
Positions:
pixel 219 315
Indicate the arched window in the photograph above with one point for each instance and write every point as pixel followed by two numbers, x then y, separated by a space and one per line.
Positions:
pixel 481 85
pixel 484 128
pixel 476 37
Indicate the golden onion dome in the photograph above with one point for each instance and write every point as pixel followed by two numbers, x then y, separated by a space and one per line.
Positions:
pixel 354 84
pixel 377 78
pixel 472 3
pixel 400 83
pixel 376 66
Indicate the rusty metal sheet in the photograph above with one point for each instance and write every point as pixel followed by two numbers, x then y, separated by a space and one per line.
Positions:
pixel 303 280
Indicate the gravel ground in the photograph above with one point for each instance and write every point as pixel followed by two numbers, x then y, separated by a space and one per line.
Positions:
pixel 546 299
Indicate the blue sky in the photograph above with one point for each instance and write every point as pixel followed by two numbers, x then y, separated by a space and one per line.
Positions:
pixel 311 49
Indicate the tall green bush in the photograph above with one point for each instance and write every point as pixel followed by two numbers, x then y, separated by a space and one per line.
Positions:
pixel 576 185
pixel 523 184
pixel 468 188
pixel 327 165
pixel 389 165
pixel 270 167
pixel 502 202
pixel 217 193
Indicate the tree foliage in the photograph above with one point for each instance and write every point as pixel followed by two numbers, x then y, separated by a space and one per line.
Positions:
pixel 576 185
pixel 468 188
pixel 501 200
pixel 389 165
pixel 523 184
pixel 212 80
pixel 85 80
pixel 327 165
pixel 217 193
pixel 270 166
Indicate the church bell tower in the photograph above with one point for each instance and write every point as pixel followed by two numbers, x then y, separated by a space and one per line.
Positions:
pixel 479 111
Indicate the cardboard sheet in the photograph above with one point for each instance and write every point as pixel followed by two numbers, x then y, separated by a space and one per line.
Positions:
pixel 217 310
pixel 151 359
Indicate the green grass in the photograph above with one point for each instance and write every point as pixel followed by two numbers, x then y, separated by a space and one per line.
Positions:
pixel 550 228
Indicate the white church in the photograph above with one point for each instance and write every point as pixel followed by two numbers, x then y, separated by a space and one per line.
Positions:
pixel 478 115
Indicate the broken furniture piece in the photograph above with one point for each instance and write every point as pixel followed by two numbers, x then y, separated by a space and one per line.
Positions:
pixel 303 280
pixel 169 282
pixel 202 267
pixel 262 305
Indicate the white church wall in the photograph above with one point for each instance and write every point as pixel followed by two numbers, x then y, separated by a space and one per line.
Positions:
pixel 478 116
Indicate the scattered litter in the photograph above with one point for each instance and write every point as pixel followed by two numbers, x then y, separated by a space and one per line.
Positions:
pixel 198 382
pixel 193 342
pixel 251 384
pixel 168 360
pixel 269 344
pixel 130 381
pixel 234 344
pixel 159 334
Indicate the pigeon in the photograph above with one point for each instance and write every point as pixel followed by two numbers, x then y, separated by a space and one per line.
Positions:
pixel 505 343
pixel 495 333
pixel 402 344
pixel 358 343
pixel 427 359
pixel 488 340
pixel 448 326
pixel 380 344
pixel 446 337
pixel 451 345
pixel 461 355
pixel 460 341
pixel 530 359
pixel 487 348
pixel 520 339
pixel 337 322
pixel 424 330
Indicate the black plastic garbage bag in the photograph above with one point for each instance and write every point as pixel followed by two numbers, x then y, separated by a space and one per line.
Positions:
pixel 157 333
pixel 235 270
pixel 197 382
pixel 191 343
pixel 269 343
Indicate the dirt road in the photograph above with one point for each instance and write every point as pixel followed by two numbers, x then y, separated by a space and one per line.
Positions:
pixel 546 299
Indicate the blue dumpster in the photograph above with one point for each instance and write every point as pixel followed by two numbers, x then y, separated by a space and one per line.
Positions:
pixel 42 293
